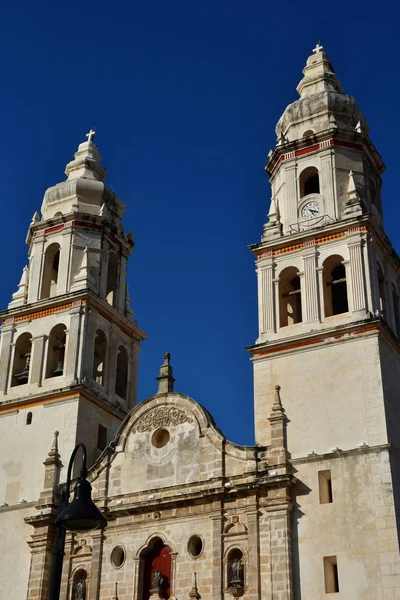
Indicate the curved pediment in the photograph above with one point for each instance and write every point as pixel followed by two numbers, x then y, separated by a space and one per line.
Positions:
pixel 166 441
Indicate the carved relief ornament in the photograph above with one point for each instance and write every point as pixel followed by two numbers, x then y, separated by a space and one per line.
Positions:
pixel 161 417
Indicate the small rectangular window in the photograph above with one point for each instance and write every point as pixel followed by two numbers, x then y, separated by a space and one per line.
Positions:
pixel 325 487
pixel 101 437
pixel 331 575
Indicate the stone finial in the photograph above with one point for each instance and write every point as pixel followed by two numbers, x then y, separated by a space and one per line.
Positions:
pixel 277 407
pixel 272 228
pixel 277 451
pixel 165 378
pixel 353 204
pixel 194 592
pixel 52 468
pixel 54 448
pixel 86 162
pixel 35 218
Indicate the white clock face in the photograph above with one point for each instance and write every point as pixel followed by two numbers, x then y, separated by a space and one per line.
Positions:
pixel 310 210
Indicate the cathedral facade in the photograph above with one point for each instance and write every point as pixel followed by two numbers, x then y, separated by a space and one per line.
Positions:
pixel 313 508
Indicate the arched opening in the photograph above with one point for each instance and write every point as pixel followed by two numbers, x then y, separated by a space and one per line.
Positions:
pixel 335 286
pixel 99 359
pixel 395 300
pixel 56 351
pixel 381 291
pixel 80 585
pixel 155 570
pixel 29 418
pixel 121 379
pixel 235 574
pixel 50 271
pixel 289 297
pixel 22 359
pixel 112 279
pixel 309 182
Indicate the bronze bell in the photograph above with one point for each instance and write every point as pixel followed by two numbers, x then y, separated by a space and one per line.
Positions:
pixel 60 369
pixel 24 375
pixel 60 365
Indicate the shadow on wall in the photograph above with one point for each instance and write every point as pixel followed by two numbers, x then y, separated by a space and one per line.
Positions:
pixel 300 489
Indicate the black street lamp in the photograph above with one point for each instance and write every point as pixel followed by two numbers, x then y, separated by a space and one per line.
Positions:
pixel 79 515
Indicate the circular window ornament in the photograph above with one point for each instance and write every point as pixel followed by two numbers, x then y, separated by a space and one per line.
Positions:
pixel 117 557
pixel 160 438
pixel 195 546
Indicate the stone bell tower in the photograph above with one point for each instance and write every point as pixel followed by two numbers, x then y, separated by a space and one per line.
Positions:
pixel 69 342
pixel 329 326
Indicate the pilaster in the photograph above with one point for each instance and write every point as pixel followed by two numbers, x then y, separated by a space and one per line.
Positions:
pixel 253 569
pixel 326 183
pixel 35 268
pixel 72 349
pixel 95 575
pixel 217 556
pixel 66 249
pixel 290 195
pixel 36 365
pixel 310 282
pixel 354 243
pixel 279 512
pixel 6 337
pixel 266 294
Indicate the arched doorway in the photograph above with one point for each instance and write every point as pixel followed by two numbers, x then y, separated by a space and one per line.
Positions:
pixel 156 558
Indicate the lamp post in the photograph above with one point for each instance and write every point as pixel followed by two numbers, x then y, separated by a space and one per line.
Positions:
pixel 79 515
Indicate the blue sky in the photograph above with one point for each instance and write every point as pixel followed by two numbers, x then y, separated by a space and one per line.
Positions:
pixel 185 97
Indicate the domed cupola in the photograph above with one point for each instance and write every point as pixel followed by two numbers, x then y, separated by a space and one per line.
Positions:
pixel 322 103
pixel 84 191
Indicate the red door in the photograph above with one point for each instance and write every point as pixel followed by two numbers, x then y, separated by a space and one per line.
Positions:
pixel 158 557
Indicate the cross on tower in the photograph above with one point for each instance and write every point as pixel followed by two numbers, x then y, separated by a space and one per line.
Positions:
pixel 90 135
pixel 318 48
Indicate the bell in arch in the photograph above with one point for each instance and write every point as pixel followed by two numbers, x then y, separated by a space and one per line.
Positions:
pixel 24 375
pixel 59 370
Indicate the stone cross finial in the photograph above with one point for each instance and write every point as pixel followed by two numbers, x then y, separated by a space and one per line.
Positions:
pixel 165 378
pixel 317 49
pixel 54 447
pixel 90 135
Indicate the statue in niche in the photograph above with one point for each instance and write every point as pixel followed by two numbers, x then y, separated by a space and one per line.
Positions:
pixel 157 579
pixel 80 590
pixel 236 570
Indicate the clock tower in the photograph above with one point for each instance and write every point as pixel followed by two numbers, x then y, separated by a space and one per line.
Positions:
pixel 328 312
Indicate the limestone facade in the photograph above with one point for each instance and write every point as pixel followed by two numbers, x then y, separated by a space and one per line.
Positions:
pixel 312 509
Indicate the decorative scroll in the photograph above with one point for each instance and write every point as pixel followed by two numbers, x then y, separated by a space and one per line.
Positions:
pixel 161 417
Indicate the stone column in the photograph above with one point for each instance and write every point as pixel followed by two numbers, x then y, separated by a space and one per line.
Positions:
pixel 136 578
pixel 311 303
pixel 95 573
pixel 89 337
pixel 41 559
pixel 253 569
pixel 279 511
pixel 355 243
pixel 72 349
pixel 277 304
pixel 133 375
pixel 111 365
pixel 66 249
pixel 5 354
pixel 326 183
pixel 36 365
pixel 121 285
pixel 104 268
pixel 217 556
pixel 290 198
pixel 35 268
pixel 173 575
pixel 266 311
pixel 320 275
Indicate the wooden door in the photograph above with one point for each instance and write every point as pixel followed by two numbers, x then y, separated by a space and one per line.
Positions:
pixel 158 557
